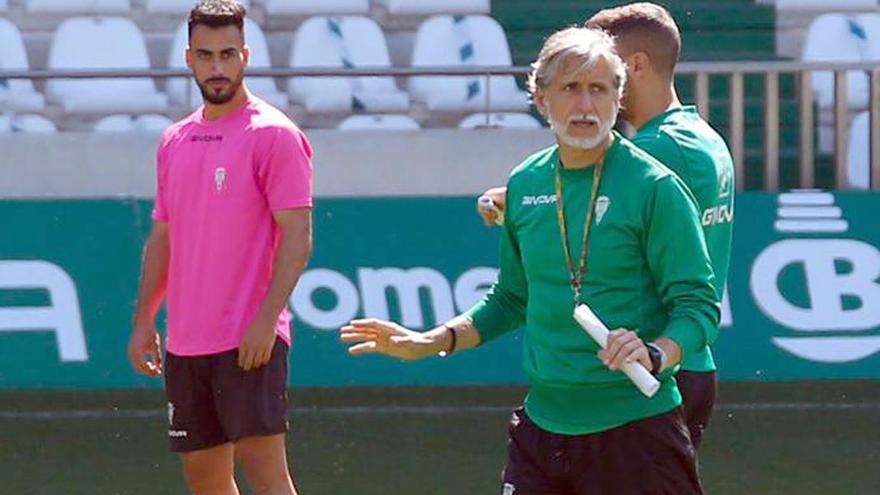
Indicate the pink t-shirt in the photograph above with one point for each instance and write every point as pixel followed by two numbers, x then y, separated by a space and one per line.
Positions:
pixel 218 183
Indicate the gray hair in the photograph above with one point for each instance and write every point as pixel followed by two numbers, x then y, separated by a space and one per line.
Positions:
pixel 585 44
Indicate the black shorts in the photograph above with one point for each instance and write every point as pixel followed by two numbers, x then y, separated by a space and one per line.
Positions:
pixel 698 390
pixel 652 456
pixel 212 401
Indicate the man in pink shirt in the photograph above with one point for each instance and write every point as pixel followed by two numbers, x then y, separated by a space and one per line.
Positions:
pixel 231 236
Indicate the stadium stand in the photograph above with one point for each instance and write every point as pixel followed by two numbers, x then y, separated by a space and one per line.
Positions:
pixel 434 7
pixel 316 7
pixel 336 42
pixel 508 120
pixel 127 124
pixel 28 124
pixel 16 94
pixel 825 5
pixel 843 38
pixel 858 161
pixel 379 123
pixel 78 6
pixel 712 30
pixel 174 6
pixel 716 30
pixel 264 87
pixel 81 43
pixel 463 41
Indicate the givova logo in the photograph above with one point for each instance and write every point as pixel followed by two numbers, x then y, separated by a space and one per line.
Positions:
pixel 543 199
pixel 839 278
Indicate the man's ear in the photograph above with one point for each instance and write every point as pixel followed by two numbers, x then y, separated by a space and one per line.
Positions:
pixel 246 52
pixel 639 64
pixel 539 99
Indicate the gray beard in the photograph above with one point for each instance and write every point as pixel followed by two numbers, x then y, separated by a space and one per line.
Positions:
pixel 582 143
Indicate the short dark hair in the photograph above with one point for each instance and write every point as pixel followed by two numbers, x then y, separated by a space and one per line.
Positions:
pixel 217 13
pixel 642 27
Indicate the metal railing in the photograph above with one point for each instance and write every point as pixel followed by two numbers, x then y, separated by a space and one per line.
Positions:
pixel 806 115
pixel 700 70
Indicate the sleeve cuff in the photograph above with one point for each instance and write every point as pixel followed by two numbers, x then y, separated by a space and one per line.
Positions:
pixel 292 205
pixel 688 334
pixel 488 321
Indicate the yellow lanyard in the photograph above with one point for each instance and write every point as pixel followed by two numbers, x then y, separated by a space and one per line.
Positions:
pixel 577 275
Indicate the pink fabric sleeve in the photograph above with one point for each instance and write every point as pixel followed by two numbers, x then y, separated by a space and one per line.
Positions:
pixel 160 212
pixel 285 170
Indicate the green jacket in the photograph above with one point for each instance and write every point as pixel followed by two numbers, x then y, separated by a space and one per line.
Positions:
pixel 692 149
pixel 647 270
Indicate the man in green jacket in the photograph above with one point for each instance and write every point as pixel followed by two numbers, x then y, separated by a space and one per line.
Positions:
pixel 593 220
pixel 649 41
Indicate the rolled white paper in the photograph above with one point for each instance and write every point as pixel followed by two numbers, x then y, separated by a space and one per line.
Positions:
pixel 642 378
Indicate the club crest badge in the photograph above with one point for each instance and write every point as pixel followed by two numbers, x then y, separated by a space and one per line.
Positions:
pixel 220 178
pixel 602 205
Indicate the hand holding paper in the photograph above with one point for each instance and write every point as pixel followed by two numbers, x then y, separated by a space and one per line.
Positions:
pixel 591 324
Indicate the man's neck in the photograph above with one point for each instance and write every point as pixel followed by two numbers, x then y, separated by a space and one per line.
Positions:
pixel 214 112
pixel 575 158
pixel 652 103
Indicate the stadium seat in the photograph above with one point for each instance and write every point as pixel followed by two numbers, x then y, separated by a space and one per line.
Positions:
pixel 28 124
pixel 509 120
pixel 81 43
pixel 78 6
pixel 4 5
pixel 175 6
pixel 432 7
pixel 842 38
pixel 17 94
pixel 379 123
pixel 825 5
pixel 463 41
pixel 858 157
pixel 127 124
pixel 337 42
pixel 264 87
pixel 316 7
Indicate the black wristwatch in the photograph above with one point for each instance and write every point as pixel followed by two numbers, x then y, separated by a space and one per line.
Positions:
pixel 658 358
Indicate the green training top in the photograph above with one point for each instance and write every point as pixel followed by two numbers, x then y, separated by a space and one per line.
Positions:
pixel 647 270
pixel 689 146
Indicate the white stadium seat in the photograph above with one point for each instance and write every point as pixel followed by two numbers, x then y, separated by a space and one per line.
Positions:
pixel 263 87
pixel 464 41
pixel 81 43
pixel 4 5
pixel 842 38
pixel 78 6
pixel 379 123
pixel 508 120
pixel 16 94
pixel 825 5
pixel 129 124
pixel 316 7
pixel 175 6
pixel 27 124
pixel 337 42
pixel 432 7
pixel 858 157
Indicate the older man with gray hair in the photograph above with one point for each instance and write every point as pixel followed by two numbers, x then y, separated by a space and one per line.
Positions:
pixel 595 220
